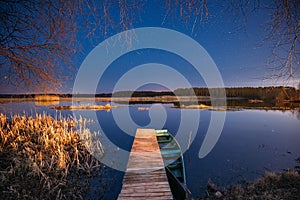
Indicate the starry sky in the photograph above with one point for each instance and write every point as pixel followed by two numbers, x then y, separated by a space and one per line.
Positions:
pixel 235 43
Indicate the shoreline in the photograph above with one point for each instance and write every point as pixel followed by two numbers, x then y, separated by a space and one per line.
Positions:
pixel 158 99
pixel 182 102
pixel 271 185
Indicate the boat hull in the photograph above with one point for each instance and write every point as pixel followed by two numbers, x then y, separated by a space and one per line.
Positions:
pixel 174 163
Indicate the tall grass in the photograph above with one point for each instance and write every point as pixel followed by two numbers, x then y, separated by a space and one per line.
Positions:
pixel 44 158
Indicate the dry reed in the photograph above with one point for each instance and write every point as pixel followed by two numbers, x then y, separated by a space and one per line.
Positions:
pixel 44 97
pixel 44 158
pixel 106 107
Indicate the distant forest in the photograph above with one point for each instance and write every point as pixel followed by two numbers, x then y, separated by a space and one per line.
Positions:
pixel 263 93
pixel 260 93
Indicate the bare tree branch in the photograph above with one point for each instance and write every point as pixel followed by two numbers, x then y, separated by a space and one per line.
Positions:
pixel 38 38
pixel 35 42
pixel 283 32
pixel 191 12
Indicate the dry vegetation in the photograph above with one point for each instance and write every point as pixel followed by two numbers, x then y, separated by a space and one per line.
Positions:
pixel 46 97
pixel 106 107
pixel 44 158
pixel 271 186
pixel 46 100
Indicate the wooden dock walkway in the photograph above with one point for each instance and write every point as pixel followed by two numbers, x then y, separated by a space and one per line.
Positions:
pixel 145 177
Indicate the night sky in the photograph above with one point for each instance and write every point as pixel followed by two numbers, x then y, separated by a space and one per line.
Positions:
pixel 236 45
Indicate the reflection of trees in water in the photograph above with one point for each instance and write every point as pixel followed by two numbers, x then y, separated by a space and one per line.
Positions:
pixel 283 106
pixel 296 113
pixel 265 105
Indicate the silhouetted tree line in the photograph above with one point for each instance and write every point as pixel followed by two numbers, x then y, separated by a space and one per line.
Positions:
pixel 142 94
pixel 263 93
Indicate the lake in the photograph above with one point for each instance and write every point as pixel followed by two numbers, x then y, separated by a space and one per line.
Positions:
pixel 251 143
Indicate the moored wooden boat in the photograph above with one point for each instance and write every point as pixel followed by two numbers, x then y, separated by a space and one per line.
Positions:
pixel 174 163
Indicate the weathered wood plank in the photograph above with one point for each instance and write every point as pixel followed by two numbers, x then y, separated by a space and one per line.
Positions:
pixel 152 198
pixel 145 176
pixel 161 184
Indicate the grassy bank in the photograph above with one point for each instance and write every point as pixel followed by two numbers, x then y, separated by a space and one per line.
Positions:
pixel 271 186
pixel 44 158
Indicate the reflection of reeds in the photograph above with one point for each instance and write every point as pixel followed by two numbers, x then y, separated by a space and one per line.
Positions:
pixel 143 108
pixel 44 158
pixel 46 103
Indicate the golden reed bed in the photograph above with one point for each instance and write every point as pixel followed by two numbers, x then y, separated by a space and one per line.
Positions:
pixel 44 158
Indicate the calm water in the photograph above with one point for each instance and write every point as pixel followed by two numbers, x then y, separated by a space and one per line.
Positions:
pixel 252 142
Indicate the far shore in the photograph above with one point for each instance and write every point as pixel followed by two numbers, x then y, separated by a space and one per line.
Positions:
pixel 158 99
pixel 189 97
pixel 183 102
pixel 155 99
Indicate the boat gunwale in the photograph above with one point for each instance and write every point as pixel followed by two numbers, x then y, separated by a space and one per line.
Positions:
pixel 166 132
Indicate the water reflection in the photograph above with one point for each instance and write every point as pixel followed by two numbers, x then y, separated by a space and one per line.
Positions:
pixel 253 141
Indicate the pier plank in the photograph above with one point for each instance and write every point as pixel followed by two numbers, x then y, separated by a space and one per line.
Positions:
pixel 145 176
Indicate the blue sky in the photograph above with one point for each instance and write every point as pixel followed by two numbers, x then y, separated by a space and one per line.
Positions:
pixel 238 49
pixel 236 45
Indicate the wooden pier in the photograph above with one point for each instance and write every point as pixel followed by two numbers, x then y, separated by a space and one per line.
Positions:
pixel 145 177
